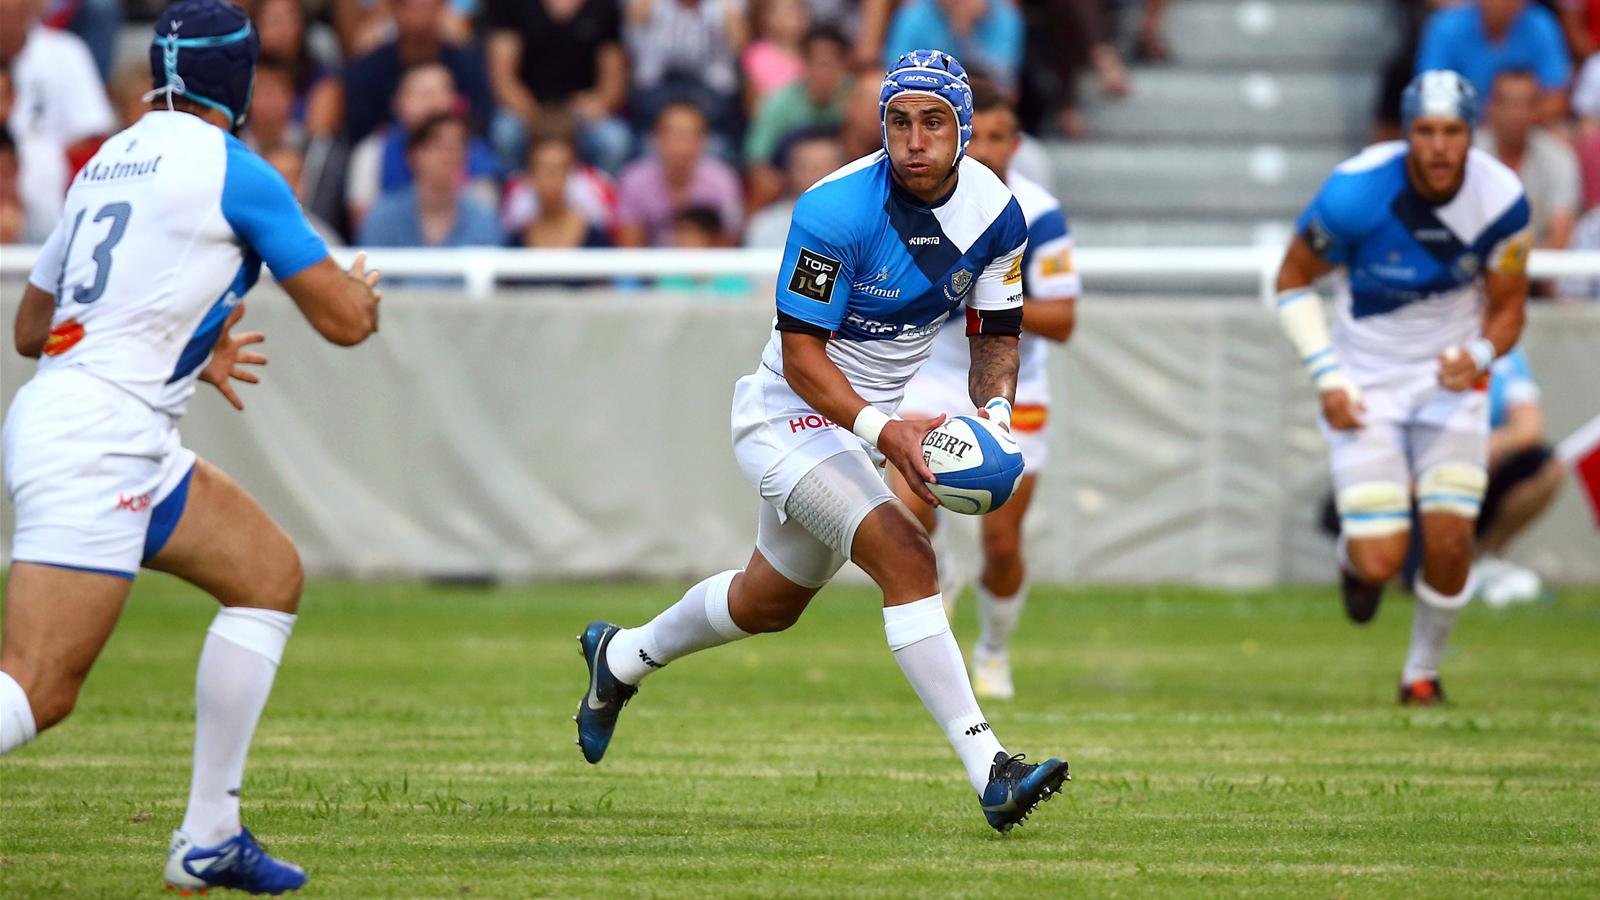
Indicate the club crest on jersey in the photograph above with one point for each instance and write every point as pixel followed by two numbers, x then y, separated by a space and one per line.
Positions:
pixel 959 283
pixel 813 276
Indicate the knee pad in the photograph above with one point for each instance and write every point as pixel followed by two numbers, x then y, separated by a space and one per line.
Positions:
pixel 1375 509
pixel 1455 488
pixel 835 496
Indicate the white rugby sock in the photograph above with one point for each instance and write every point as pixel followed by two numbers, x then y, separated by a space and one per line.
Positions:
pixel 919 634
pixel 698 621
pixel 16 715
pixel 237 664
pixel 1432 622
pixel 998 617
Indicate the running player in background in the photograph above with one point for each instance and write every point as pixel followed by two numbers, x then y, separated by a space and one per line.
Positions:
pixel 131 302
pixel 1433 236
pixel 1050 290
pixel 879 255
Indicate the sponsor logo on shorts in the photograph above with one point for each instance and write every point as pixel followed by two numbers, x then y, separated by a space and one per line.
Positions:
pixel 813 276
pixel 1028 417
pixel 133 504
pixel 806 423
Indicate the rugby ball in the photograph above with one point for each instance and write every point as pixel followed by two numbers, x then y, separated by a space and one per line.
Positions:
pixel 976 464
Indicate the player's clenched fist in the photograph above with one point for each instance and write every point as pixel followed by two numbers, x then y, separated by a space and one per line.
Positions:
pixel 901 443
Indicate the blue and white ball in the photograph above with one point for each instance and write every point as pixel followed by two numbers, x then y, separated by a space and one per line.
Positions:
pixel 976 464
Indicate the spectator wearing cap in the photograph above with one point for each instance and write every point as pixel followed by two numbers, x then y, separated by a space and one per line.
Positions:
pixel 432 211
pixel 372 80
pixel 678 173
pixel 815 103
pixel 687 50
pixel 1483 38
pixel 59 111
pixel 807 159
pixel 986 35
pixel 380 162
pixel 1545 163
pixel 564 56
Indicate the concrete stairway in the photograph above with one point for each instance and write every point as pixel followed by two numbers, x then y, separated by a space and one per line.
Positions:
pixel 1226 144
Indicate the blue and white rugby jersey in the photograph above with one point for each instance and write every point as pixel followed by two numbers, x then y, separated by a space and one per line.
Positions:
pixel 163 231
pixel 1412 268
pixel 1047 274
pixel 883 271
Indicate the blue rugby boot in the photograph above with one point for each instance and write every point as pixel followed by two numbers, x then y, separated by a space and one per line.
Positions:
pixel 1016 788
pixel 238 863
pixel 600 706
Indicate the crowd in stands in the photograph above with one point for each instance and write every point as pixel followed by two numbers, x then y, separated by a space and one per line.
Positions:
pixel 545 123
pixel 572 123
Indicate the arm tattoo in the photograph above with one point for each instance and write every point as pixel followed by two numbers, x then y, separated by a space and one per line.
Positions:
pixel 994 368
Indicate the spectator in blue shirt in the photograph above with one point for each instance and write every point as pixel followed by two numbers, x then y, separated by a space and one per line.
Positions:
pixel 1486 37
pixel 432 211
pixel 372 80
pixel 986 35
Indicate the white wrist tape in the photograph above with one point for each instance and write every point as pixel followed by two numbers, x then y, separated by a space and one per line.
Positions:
pixel 999 410
pixel 869 424
pixel 1300 313
pixel 1482 352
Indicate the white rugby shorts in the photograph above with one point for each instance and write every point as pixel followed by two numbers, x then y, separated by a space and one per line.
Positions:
pixel 779 440
pixel 1412 425
pixel 98 479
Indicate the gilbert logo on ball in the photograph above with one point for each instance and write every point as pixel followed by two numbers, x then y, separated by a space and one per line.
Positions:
pixel 976 463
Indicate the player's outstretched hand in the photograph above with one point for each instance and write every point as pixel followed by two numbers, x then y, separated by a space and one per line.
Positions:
pixel 901 443
pixel 1457 371
pixel 229 354
pixel 358 271
pixel 1342 410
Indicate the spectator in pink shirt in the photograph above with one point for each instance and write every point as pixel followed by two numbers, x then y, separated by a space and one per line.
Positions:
pixel 677 174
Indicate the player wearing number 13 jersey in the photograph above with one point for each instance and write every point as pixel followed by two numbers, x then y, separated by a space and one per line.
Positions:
pixel 131 302
pixel 880 254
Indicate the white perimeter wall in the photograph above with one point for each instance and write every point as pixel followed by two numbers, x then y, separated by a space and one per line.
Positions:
pixel 546 437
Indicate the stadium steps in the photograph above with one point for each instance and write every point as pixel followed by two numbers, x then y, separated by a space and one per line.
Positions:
pixel 1131 179
pixel 1255 105
pixel 1293 35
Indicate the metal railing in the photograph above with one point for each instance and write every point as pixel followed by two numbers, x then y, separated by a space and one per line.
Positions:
pixel 482 269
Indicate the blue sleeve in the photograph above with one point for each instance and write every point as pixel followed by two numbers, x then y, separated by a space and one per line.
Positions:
pixel 263 212
pixel 814 280
pixel 1325 225
pixel 1552 63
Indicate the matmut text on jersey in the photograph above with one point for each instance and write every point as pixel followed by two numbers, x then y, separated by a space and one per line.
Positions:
pixel 881 270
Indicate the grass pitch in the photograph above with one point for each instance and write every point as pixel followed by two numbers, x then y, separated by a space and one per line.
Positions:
pixel 419 744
